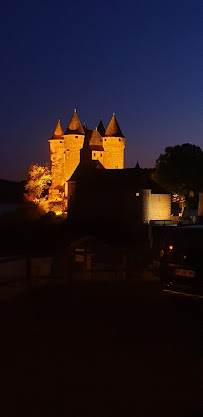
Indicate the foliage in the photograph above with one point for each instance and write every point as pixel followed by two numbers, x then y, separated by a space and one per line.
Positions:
pixel 41 204
pixel 58 207
pixel 178 201
pixel 180 170
pixel 39 180
pixel 30 210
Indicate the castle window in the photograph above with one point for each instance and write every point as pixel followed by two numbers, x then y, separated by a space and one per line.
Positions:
pixel 61 141
pixel 76 137
pixel 105 140
pixel 119 139
pixel 94 154
pixel 101 154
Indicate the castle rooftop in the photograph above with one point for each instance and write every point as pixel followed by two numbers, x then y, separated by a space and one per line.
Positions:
pixel 101 128
pixel 94 140
pixel 110 179
pixel 75 126
pixel 113 128
pixel 58 132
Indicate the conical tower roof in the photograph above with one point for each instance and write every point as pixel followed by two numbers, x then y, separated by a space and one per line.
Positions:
pixel 58 132
pixel 137 166
pixel 101 128
pixel 75 126
pixel 84 127
pixel 95 140
pixel 113 128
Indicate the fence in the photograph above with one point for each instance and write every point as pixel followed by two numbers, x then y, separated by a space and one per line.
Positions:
pixel 23 273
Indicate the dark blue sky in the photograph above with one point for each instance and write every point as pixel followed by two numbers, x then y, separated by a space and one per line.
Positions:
pixel 140 59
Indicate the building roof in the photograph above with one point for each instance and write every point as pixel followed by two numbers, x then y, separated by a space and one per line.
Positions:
pixel 87 168
pixel 75 126
pixel 101 128
pixel 58 132
pixel 94 140
pixel 128 178
pixel 113 128
pixel 97 148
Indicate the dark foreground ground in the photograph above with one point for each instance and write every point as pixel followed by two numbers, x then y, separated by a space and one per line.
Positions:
pixel 100 350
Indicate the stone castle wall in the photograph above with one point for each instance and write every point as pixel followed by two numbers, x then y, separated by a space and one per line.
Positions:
pixel 73 144
pixel 98 155
pixel 155 206
pixel 200 205
pixel 57 157
pixel 113 152
pixel 160 207
pixel 65 156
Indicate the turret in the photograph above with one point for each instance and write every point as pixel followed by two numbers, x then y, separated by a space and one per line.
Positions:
pixel 56 145
pixel 73 143
pixel 114 145
pixel 101 128
pixel 93 146
pixel 58 132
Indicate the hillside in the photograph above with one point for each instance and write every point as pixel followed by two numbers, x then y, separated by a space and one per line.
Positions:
pixel 11 192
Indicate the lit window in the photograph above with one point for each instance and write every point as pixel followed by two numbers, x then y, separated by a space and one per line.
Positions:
pixel 137 194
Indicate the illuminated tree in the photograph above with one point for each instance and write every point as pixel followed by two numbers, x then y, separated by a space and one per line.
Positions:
pixel 58 207
pixel 39 180
pixel 179 201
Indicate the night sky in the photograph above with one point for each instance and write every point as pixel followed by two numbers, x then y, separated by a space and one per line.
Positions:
pixel 140 59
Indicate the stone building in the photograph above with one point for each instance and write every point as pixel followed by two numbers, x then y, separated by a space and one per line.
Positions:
pixel 200 205
pixel 126 197
pixel 65 146
pixel 87 172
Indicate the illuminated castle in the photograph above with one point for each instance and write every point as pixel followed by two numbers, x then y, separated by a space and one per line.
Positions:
pixel 89 181
pixel 66 149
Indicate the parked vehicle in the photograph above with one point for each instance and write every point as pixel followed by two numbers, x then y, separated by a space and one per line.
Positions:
pixel 159 234
pixel 181 258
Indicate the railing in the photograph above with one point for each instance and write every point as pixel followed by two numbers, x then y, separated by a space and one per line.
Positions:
pixel 20 274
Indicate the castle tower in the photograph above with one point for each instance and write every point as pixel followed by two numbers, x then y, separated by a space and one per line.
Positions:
pixel 101 128
pixel 73 143
pixel 93 146
pixel 56 145
pixel 114 145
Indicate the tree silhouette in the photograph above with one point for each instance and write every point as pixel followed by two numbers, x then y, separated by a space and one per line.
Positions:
pixel 180 169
